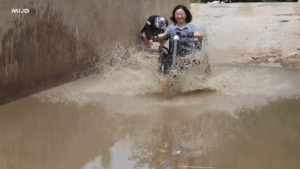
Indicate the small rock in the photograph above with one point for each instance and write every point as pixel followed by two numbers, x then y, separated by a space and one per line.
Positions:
pixel 298 48
pixel 292 54
pixel 271 60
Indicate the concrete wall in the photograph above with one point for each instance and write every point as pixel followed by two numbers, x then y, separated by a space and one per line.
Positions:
pixel 60 41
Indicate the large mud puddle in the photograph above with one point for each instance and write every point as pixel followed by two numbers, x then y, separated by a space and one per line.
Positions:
pixel 122 119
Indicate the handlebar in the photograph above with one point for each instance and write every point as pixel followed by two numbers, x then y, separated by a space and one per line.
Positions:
pixel 155 38
pixel 189 35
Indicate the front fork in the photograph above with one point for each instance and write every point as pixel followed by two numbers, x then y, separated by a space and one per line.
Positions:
pixel 174 49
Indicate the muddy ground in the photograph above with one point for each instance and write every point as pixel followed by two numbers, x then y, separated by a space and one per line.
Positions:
pixel 266 34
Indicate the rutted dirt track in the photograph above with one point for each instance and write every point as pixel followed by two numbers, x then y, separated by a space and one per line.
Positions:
pixel 252 33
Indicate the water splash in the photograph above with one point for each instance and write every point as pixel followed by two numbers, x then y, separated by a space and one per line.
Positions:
pixel 132 81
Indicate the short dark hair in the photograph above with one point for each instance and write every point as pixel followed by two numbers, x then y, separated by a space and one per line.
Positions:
pixel 188 18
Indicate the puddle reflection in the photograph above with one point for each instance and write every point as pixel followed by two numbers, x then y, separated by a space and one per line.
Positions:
pixel 41 135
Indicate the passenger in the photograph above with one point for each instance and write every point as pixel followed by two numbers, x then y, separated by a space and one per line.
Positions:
pixel 155 25
pixel 182 17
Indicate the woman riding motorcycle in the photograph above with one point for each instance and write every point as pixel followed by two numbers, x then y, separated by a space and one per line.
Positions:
pixel 182 17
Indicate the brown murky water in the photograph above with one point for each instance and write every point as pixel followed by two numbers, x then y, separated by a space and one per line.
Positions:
pixel 251 121
pixel 121 119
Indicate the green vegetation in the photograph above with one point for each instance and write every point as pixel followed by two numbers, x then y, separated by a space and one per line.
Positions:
pixel 235 1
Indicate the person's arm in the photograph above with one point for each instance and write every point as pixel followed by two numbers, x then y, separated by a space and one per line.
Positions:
pixel 149 23
pixel 148 30
pixel 167 32
pixel 197 33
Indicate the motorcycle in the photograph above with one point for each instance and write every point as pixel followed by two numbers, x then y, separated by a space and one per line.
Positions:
pixel 174 61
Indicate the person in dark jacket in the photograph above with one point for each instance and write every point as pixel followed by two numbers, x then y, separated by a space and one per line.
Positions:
pixel 155 25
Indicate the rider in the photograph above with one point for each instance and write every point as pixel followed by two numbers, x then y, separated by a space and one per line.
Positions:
pixel 182 17
pixel 155 25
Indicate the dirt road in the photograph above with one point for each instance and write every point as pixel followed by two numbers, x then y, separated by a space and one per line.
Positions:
pixel 255 33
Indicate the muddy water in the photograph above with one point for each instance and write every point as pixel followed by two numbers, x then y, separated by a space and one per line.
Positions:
pixel 121 119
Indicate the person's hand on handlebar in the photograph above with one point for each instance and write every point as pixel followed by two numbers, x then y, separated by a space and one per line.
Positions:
pixel 198 35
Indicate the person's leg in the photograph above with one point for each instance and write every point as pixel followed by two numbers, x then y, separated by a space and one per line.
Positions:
pixel 146 41
pixel 162 43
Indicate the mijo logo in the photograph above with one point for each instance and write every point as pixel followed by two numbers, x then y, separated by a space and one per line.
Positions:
pixel 20 11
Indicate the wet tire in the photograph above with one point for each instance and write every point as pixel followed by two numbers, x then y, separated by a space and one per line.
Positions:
pixel 164 62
